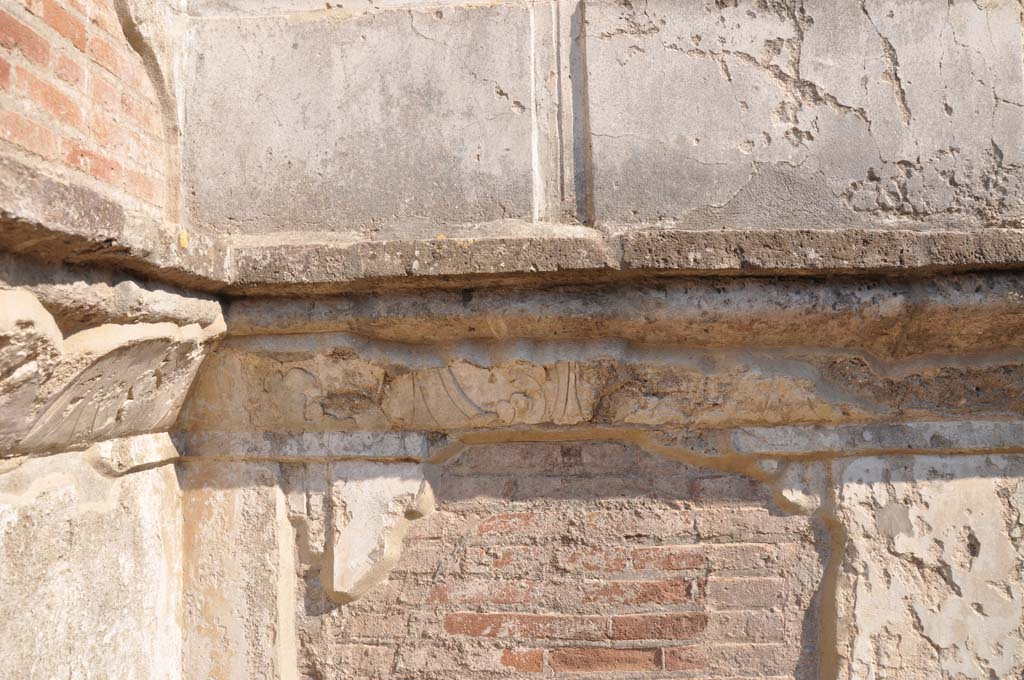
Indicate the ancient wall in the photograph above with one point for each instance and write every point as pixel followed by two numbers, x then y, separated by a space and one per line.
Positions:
pixel 738 478
pixel 90 575
pixel 91 521
pixel 850 439
pixel 77 96
pixel 577 338
pixel 587 557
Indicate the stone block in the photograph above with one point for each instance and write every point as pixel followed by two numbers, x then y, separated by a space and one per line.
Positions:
pixel 354 123
pixel 748 114
pixel 90 570
pixel 239 574
pixel 106 382
pixel 930 584
pixel 371 506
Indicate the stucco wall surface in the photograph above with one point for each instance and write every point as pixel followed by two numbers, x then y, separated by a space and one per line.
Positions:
pixel 90 567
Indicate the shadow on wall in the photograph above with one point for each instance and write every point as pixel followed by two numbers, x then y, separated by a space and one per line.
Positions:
pixel 584 557
pixel 598 557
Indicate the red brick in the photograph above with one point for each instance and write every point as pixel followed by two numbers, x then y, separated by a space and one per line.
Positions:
pixel 104 17
pixel 750 559
pixel 519 560
pixel 505 523
pixel 383 623
pixel 97 165
pixel 598 659
pixel 138 79
pixel 103 94
pixel 16 35
pixel 745 593
pixel 753 660
pixel 600 560
pixel 669 558
pixel 109 134
pixel 639 592
pixel 685 626
pixel 62 21
pixel 142 186
pixel 34 6
pixel 27 134
pixel 746 626
pixel 106 55
pixel 482 592
pixel 523 660
pixel 142 112
pixel 68 70
pixel 5 74
pixel 424 659
pixel 671 519
pixel 692 658
pixel 750 524
pixel 362 660
pixel 442 525
pixel 489 588
pixel 419 557
pixel 527 626
pixel 50 99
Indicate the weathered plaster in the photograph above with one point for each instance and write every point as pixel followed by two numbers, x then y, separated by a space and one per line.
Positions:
pixel 930 584
pixel 90 567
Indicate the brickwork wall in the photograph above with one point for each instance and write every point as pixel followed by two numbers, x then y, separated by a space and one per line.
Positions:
pixel 73 92
pixel 591 559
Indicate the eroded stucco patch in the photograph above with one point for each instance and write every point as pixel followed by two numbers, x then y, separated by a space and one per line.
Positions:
pixel 931 577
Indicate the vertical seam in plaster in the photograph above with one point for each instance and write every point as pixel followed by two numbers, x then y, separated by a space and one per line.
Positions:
pixel 584 177
pixel 538 173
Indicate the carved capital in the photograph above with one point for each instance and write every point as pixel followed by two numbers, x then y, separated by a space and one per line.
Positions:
pixel 111 381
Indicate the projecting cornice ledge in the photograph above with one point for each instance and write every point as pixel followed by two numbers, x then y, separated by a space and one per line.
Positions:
pixel 59 220
pixel 523 252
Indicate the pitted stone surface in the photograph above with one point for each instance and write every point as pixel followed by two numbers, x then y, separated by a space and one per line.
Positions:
pixel 819 400
pixel 81 297
pixel 887 318
pixel 90 569
pixel 237 576
pixel 809 114
pixel 930 585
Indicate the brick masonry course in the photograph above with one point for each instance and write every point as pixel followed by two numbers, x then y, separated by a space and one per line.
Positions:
pixel 575 584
